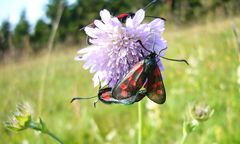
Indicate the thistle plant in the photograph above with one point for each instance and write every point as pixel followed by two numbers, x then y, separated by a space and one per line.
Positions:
pixel 196 114
pixel 21 120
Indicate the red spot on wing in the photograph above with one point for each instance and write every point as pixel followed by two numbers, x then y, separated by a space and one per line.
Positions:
pixel 154 85
pixel 130 78
pixel 157 72
pixel 124 93
pixel 159 92
pixel 133 83
pixel 120 16
pixel 106 96
pixel 159 83
pixel 123 86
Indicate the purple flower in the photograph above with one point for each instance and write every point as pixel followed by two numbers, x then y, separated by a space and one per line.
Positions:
pixel 115 49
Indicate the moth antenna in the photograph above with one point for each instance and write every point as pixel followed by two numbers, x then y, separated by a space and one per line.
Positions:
pixel 81 98
pixel 161 51
pixel 149 4
pixel 154 42
pixel 142 54
pixel 156 17
pixel 177 60
pixel 140 42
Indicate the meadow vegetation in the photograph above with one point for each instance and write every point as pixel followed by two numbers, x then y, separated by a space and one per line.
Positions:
pixel 211 50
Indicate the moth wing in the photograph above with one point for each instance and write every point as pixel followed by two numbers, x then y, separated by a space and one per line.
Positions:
pixel 106 98
pixel 131 83
pixel 155 87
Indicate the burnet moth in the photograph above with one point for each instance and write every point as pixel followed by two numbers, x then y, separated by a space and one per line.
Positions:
pixel 129 90
pixel 124 93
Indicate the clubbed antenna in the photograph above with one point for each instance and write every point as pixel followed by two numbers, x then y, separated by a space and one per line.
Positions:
pixel 81 98
pixel 156 17
pixel 176 60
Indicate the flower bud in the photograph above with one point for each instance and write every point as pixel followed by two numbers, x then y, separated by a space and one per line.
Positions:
pixel 201 112
pixel 189 126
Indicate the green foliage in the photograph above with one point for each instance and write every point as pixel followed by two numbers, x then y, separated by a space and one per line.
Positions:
pixel 83 12
pixel 21 30
pixel 209 48
pixel 41 34
pixel 5 32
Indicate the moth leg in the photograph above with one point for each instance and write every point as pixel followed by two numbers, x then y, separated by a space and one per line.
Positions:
pixel 88 40
pixel 128 65
pixel 95 103
pixel 142 54
pixel 109 82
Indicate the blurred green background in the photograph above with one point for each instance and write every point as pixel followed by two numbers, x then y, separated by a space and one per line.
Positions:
pixel 199 31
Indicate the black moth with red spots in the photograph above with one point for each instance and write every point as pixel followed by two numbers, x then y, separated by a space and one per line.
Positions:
pixel 144 79
pixel 145 73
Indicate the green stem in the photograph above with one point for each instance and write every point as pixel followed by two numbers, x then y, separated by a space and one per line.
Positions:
pixel 50 47
pixel 42 128
pixel 139 122
pixel 184 138
pixel 54 137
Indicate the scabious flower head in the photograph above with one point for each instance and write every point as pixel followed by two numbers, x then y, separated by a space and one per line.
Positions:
pixel 115 49
pixel 20 118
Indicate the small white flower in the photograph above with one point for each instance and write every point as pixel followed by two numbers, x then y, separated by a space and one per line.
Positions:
pixel 111 135
pixel 193 70
pixel 154 114
pixel 131 132
pixel 25 141
pixel 115 48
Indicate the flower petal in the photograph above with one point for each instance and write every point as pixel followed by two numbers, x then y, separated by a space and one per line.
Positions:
pixel 129 23
pixel 115 22
pixel 105 16
pixel 87 50
pixel 101 25
pixel 157 25
pixel 90 32
pixel 139 16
